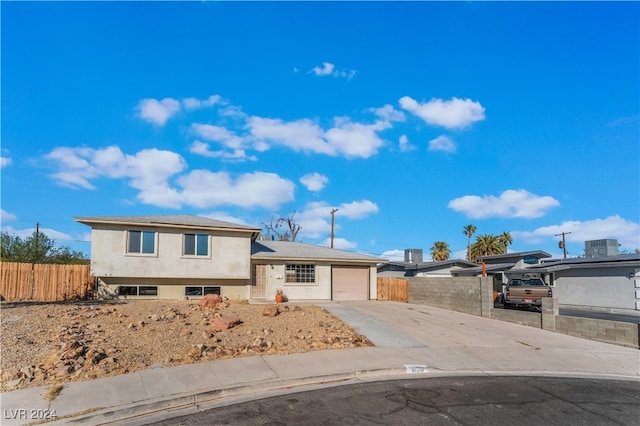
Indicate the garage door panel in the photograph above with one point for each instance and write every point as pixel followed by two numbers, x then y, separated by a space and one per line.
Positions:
pixel 350 283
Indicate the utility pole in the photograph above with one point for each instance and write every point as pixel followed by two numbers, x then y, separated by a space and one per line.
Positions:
pixel 333 212
pixel 563 244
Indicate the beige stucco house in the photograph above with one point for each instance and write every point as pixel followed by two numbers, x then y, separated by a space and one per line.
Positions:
pixel 177 256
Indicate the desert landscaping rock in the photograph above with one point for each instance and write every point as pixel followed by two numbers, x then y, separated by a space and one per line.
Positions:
pixel 57 343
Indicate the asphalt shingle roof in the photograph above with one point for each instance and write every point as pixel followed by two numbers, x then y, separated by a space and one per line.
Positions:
pixel 160 220
pixel 291 250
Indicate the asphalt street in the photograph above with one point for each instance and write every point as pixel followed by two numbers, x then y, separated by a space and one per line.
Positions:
pixel 478 400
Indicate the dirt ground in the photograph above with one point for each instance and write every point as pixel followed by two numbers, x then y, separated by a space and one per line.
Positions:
pixel 62 342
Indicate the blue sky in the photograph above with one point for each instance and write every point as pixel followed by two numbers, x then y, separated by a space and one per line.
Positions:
pixel 412 119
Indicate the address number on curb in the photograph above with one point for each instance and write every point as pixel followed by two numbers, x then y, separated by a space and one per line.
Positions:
pixel 416 369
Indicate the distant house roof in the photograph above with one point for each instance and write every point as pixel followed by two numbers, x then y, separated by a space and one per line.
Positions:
pixel 290 250
pixel 514 256
pixel 476 269
pixel 169 221
pixel 415 267
pixel 621 260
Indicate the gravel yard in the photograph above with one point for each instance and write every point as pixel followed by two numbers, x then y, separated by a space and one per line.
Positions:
pixel 62 342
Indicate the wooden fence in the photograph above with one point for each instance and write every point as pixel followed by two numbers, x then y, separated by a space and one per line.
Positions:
pixel 394 289
pixel 44 282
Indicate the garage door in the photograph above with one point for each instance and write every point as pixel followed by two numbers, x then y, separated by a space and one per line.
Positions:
pixel 350 283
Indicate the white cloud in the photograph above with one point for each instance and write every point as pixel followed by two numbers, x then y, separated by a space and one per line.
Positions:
pixel 225 217
pixel 218 134
pixel 403 143
pixel 204 149
pixel 300 135
pixel 356 139
pixel 156 111
pixel 393 255
pixel 345 138
pixel 315 219
pixel 451 114
pixel 194 103
pixel 339 243
pixel 5 215
pixel 389 113
pixel 149 171
pixel 51 233
pixel 314 181
pixel 4 161
pixel 203 188
pixel 510 204
pixel 626 232
pixel 328 68
pixel 442 143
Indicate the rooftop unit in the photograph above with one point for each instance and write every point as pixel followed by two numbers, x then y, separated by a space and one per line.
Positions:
pixel 601 248
pixel 413 255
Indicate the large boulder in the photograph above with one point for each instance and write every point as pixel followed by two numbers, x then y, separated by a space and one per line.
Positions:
pixel 210 301
pixel 224 323
pixel 270 311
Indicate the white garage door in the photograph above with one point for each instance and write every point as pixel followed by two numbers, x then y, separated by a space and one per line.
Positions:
pixel 350 283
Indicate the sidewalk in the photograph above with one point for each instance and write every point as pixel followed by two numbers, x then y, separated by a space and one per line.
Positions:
pixel 431 341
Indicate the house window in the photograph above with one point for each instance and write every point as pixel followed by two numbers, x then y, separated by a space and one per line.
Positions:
pixel 530 260
pixel 195 245
pixel 134 290
pixel 201 291
pixel 143 242
pixel 127 290
pixel 148 290
pixel 300 274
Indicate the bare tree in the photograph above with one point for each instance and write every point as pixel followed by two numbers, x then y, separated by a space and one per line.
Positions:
pixel 284 228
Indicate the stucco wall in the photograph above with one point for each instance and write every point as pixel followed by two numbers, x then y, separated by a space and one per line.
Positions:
pixel 320 290
pixel 174 288
pixel 610 288
pixel 229 256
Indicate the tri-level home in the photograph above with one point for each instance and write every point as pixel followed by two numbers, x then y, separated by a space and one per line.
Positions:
pixel 178 256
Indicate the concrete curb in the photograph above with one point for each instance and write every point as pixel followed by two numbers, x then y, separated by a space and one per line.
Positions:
pixel 143 412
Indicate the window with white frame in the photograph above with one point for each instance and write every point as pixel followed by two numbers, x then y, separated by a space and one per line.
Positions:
pixel 195 245
pixel 300 273
pixel 141 242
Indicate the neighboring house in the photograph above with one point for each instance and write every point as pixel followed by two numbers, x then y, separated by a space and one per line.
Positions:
pixel 305 271
pixel 414 266
pixel 500 265
pixel 422 269
pixel 609 282
pixel 174 256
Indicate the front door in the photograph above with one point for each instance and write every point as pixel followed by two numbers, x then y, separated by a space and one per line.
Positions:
pixel 258 281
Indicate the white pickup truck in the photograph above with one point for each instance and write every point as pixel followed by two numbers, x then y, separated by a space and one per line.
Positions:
pixel 526 291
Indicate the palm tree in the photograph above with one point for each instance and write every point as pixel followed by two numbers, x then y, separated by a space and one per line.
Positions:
pixel 505 239
pixel 469 230
pixel 486 245
pixel 440 251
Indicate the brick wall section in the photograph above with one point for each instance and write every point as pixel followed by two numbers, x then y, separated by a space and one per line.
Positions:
pixel 530 319
pixel 470 295
pixel 619 333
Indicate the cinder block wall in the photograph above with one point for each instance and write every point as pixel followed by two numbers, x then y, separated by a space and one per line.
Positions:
pixel 470 295
pixel 619 333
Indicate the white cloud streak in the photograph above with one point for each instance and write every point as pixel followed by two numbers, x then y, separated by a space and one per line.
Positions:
pixel 329 69
pixel 5 215
pixel 455 113
pixel 314 181
pixel 4 161
pixel 510 204
pixel 442 143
